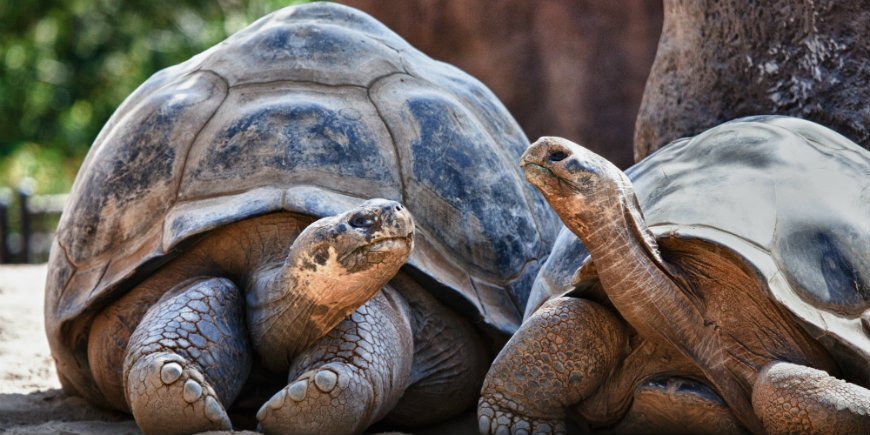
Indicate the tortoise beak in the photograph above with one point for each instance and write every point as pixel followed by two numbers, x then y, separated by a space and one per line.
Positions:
pixel 545 152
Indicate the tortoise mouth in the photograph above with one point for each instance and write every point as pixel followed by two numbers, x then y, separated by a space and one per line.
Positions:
pixel 535 171
pixel 384 245
pixel 542 177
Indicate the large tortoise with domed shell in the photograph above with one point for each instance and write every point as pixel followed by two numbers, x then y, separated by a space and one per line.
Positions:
pixel 220 221
pixel 721 286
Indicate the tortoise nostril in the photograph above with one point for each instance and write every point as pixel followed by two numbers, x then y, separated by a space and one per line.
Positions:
pixel 557 156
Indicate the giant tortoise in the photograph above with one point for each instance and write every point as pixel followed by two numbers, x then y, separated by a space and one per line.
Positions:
pixel 730 293
pixel 190 249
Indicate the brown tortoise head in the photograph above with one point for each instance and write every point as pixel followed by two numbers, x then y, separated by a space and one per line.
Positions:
pixel 365 245
pixel 332 268
pixel 576 181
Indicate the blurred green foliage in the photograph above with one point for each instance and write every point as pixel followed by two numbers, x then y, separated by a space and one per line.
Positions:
pixel 65 65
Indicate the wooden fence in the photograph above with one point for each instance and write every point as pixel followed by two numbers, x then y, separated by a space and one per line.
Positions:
pixel 27 224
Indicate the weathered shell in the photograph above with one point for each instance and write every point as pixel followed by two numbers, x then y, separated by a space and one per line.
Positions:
pixel 311 109
pixel 790 197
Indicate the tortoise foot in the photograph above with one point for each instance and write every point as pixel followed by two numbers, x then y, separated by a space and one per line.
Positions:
pixel 790 398
pixel 502 419
pixel 333 398
pixel 168 395
pixel 349 379
pixel 557 357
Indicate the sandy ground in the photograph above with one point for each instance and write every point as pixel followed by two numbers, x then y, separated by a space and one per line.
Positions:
pixel 31 401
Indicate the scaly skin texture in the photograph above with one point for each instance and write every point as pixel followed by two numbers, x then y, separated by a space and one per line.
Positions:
pixel 188 359
pixel 559 357
pixel 450 360
pixel 349 380
pixel 230 251
pixel 357 374
pixel 795 399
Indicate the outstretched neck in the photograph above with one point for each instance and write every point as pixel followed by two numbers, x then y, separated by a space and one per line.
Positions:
pixel 629 264
pixel 642 287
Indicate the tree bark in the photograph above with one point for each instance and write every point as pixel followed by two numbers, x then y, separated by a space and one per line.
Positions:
pixel 721 60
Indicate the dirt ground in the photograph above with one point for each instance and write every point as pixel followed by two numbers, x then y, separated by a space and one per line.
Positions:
pixel 31 401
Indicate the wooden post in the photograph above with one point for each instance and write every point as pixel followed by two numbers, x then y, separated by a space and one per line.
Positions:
pixel 4 226
pixel 24 192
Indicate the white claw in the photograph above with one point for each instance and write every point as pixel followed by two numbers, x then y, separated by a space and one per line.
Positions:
pixel 197 376
pixel 261 414
pixel 277 401
pixel 170 373
pixel 192 391
pixel 483 424
pixel 213 410
pixel 325 380
pixel 297 390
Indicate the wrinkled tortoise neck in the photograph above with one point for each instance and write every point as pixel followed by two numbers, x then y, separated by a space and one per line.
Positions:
pixel 627 259
pixel 646 291
pixel 290 307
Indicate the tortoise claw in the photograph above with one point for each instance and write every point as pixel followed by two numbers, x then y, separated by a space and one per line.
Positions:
pixel 499 420
pixel 334 399
pixel 168 395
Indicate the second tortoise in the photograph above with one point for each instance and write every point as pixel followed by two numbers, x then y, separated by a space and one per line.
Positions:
pixel 725 289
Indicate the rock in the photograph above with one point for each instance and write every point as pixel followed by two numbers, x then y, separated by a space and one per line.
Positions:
pixel 569 68
pixel 721 60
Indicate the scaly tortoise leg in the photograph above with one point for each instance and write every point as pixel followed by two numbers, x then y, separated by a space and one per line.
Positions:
pixel 558 357
pixel 351 378
pixel 791 398
pixel 188 359
pixel 450 360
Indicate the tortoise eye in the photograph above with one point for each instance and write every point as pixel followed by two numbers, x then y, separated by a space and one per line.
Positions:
pixel 362 221
pixel 557 156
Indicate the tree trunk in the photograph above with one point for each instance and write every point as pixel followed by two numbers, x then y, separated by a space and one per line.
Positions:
pixel 720 60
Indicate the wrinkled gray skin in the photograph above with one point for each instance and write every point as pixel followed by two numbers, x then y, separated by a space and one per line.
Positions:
pixel 320 301
pixel 699 314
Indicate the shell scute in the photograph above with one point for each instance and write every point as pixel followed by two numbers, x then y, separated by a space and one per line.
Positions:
pixel 289 135
pixel 132 174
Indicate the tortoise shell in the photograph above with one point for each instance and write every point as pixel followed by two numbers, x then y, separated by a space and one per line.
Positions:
pixel 311 109
pixel 789 197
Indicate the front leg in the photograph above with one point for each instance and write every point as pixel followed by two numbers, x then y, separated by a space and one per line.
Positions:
pixel 790 398
pixel 450 360
pixel 188 359
pixel 557 358
pixel 351 378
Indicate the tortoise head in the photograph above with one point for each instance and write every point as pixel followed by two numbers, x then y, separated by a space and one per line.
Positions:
pixel 332 268
pixel 575 181
pixel 362 248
